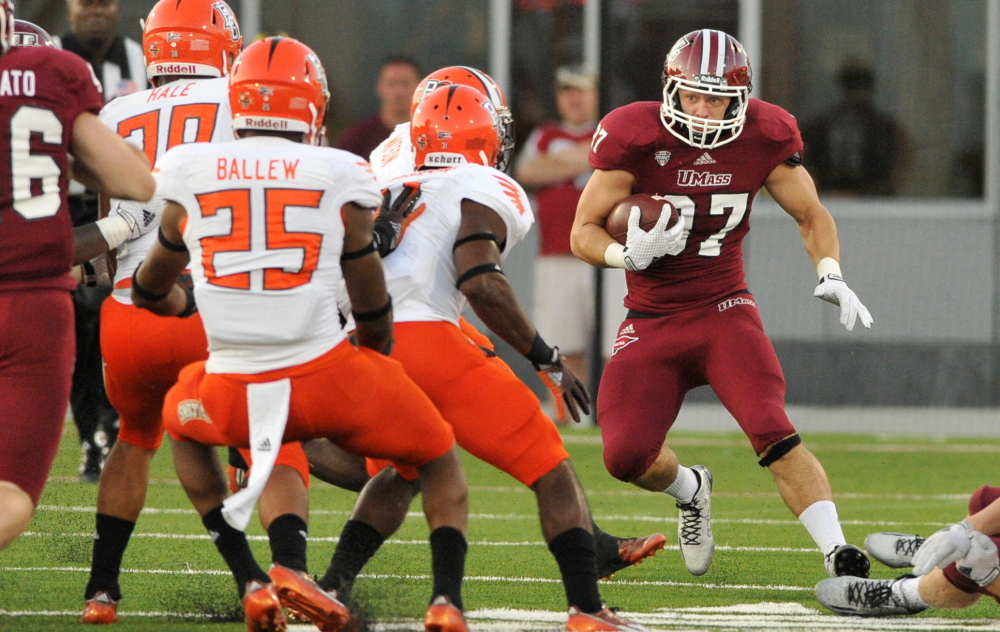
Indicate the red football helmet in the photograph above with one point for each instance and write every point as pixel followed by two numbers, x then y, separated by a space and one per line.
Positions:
pixel 468 76
pixel 709 62
pixel 28 34
pixel 279 84
pixel 454 125
pixel 190 38
pixel 6 25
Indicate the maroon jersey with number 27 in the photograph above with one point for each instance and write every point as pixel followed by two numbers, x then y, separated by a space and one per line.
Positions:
pixel 713 190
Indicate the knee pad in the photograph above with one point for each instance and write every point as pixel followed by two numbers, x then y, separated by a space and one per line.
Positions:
pixel 780 449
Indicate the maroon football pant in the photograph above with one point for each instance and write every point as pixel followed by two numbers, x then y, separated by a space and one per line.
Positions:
pixel 37 351
pixel 656 361
pixel 981 498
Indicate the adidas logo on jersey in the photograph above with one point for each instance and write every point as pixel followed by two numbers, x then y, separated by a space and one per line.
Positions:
pixel 705 159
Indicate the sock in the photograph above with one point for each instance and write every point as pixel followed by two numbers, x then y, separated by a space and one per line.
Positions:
pixel 235 549
pixel 448 549
pixel 575 554
pixel 909 589
pixel 358 543
pixel 287 535
pixel 685 486
pixel 111 536
pixel 820 520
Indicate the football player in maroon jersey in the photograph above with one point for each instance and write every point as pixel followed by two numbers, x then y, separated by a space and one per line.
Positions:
pixel 707 149
pixel 47 118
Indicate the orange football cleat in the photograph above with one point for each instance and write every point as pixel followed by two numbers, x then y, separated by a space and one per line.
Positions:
pixel 443 616
pixel 605 620
pixel 300 593
pixel 631 551
pixel 262 608
pixel 100 608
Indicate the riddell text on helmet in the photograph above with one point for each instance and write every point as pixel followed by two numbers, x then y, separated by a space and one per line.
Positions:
pixel 175 69
pixel 258 123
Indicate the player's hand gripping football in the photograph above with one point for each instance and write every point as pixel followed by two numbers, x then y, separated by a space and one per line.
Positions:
pixel 642 247
pixel 974 553
pixel 567 389
pixel 833 289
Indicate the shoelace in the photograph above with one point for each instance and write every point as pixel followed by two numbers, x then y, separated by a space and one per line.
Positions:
pixel 908 546
pixel 690 522
pixel 870 594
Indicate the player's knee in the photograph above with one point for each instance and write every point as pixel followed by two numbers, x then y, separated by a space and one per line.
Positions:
pixel 982 498
pixel 629 461
pixel 778 450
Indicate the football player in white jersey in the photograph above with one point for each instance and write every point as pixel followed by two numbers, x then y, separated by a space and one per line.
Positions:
pixel 469 217
pixel 270 224
pixel 190 47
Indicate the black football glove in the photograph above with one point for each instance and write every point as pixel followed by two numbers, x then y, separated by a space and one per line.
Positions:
pixel 391 215
pixel 567 389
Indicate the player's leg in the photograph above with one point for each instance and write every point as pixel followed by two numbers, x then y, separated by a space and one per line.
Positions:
pixel 743 369
pixel 331 464
pixel 642 389
pixel 36 361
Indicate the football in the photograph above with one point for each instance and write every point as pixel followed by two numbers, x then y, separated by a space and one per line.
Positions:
pixel 649 208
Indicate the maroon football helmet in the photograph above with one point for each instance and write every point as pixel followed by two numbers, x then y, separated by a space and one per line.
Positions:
pixel 709 62
pixel 28 34
pixel 6 24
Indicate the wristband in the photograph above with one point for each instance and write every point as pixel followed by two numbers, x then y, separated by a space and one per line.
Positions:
pixel 614 255
pixel 542 354
pixel 828 265
pixel 115 230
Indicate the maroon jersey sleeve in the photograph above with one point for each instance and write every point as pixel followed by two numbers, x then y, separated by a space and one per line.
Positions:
pixel 621 138
pixel 44 90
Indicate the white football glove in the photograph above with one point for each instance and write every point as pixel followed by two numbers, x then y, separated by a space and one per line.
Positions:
pixel 141 217
pixel 981 563
pixel 833 289
pixel 642 247
pixel 943 547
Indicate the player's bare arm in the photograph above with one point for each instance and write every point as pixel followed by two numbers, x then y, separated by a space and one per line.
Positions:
pixel 154 284
pixel 604 190
pixel 107 164
pixel 362 269
pixel 988 520
pixel 794 190
pixel 480 279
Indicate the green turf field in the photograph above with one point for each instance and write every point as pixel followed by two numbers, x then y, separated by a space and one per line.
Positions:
pixel 762 578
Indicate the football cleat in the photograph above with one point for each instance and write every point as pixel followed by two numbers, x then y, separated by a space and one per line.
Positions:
pixel 262 608
pixel 859 597
pixel 605 620
pixel 100 608
pixel 298 592
pixel 443 616
pixel 847 559
pixel 895 550
pixel 694 529
pixel 631 551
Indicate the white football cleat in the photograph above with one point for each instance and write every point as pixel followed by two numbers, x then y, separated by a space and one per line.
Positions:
pixel 694 528
pixel 847 559
pixel 859 597
pixel 895 550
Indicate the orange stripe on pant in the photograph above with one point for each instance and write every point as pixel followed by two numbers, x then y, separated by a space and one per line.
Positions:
pixel 496 418
pixel 357 398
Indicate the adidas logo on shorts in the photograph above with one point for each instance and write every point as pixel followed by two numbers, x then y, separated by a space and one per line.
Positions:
pixel 627 329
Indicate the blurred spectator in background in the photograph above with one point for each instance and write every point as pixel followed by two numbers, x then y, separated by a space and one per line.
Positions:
pixel 398 77
pixel 853 148
pixel 119 65
pixel 554 165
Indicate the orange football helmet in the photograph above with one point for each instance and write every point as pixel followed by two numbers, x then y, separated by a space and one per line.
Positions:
pixel 468 76
pixel 190 38
pixel 278 84
pixel 454 125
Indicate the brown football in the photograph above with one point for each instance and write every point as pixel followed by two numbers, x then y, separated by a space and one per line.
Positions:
pixel 649 208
